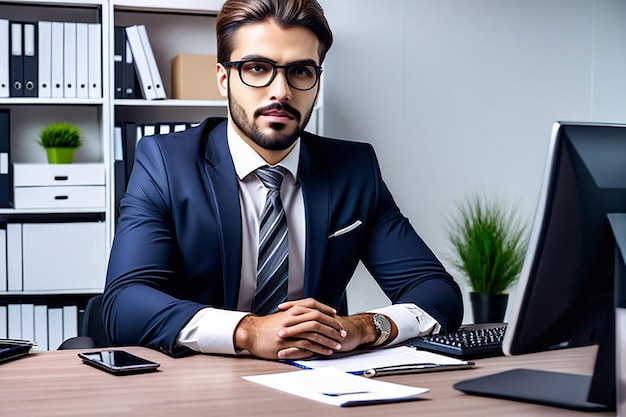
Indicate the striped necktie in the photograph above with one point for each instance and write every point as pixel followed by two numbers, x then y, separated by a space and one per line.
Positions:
pixel 273 263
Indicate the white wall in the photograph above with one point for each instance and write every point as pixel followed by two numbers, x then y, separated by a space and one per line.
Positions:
pixel 459 96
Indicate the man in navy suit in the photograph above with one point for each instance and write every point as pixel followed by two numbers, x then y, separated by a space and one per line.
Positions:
pixel 182 271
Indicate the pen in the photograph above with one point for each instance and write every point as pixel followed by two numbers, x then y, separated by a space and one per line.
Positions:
pixel 413 368
pixel 398 369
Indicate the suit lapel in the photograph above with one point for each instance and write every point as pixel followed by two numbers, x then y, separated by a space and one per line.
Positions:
pixel 315 186
pixel 223 181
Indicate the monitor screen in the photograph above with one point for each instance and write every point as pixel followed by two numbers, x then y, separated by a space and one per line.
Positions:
pixel 565 295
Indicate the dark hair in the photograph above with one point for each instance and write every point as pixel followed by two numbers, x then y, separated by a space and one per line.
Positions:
pixel 285 13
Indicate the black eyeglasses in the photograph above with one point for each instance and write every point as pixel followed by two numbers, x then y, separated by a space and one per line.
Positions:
pixel 260 73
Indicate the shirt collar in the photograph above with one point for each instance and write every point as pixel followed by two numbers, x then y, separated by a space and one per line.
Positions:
pixel 246 159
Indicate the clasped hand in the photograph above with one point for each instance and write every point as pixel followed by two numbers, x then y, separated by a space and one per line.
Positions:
pixel 300 329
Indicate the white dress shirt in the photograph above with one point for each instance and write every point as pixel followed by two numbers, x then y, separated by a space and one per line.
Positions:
pixel 211 330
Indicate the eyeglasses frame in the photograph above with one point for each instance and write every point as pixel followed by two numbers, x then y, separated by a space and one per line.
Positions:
pixel 239 65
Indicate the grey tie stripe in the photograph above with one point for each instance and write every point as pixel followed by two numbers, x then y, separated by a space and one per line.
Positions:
pixel 273 263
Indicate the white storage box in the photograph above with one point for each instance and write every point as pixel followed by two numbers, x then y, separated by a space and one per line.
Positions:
pixel 54 186
pixel 38 175
pixel 63 256
pixel 59 197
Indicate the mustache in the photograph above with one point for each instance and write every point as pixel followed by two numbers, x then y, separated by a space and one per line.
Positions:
pixel 280 106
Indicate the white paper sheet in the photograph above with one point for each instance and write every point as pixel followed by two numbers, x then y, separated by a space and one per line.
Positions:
pixel 332 386
pixel 359 362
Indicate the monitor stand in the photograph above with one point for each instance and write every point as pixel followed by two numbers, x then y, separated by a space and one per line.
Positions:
pixel 541 387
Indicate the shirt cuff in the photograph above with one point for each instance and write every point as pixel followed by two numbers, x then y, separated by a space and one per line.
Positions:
pixel 211 330
pixel 410 320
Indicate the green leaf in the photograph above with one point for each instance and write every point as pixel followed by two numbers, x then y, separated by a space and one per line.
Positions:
pixel 489 243
pixel 60 135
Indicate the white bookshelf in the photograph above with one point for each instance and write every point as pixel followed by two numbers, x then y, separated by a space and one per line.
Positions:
pixel 174 27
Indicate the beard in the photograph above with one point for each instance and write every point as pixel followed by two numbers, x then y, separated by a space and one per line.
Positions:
pixel 278 140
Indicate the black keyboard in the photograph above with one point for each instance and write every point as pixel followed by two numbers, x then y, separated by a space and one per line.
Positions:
pixel 469 342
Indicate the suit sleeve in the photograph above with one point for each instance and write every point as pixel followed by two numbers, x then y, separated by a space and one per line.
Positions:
pixel 403 265
pixel 138 307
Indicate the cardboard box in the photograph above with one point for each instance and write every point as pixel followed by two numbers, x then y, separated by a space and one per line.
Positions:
pixel 193 77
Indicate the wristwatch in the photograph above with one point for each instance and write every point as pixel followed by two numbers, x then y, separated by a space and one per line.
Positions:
pixel 383 328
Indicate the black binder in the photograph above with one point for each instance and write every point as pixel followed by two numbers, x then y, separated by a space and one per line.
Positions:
pixel 17 60
pixel 6 166
pixel 119 52
pixel 131 81
pixel 29 36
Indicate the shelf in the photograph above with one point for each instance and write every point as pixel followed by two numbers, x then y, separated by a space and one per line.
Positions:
pixel 171 103
pixel 211 7
pixel 51 101
pixel 80 210
pixel 26 294
pixel 63 3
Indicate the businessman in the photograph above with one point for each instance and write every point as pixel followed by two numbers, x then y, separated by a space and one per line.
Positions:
pixel 241 235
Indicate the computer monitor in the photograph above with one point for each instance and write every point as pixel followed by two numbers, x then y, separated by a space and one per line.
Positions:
pixel 565 295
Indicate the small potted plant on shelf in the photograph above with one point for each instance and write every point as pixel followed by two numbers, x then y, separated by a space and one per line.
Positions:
pixel 60 140
pixel 489 242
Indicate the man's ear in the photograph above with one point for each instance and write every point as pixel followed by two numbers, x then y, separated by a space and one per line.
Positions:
pixel 222 80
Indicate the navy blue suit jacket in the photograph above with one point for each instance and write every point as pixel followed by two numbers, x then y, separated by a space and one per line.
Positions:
pixel 177 248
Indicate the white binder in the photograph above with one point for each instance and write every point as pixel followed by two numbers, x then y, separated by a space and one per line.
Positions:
pixel 45 58
pixel 141 63
pixel 152 64
pixel 82 60
pixel 14 257
pixel 70 321
pixel 57 60
pixel 95 60
pixel 14 322
pixel 55 327
pixel 3 266
pixel 5 81
pixel 28 322
pixel 3 322
pixel 41 327
pixel 69 60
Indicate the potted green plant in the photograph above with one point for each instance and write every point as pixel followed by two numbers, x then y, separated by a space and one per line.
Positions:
pixel 60 140
pixel 489 242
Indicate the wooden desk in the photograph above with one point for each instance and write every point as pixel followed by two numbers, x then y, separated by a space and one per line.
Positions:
pixel 57 383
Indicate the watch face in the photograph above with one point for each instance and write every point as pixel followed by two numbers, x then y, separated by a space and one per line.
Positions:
pixel 382 323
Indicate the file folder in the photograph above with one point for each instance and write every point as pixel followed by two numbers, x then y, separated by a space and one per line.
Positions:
pixel 44 59
pixel 95 60
pixel 129 83
pixel 152 64
pixel 119 168
pixel 28 321
pixel 3 280
pixel 17 60
pixel 82 60
pixel 130 136
pixel 5 50
pixel 164 128
pixel 14 260
pixel 141 63
pixel 6 166
pixel 56 72
pixel 41 327
pixel 14 324
pixel 69 60
pixel 30 60
pixel 119 48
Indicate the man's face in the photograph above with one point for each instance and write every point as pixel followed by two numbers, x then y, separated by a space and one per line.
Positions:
pixel 270 118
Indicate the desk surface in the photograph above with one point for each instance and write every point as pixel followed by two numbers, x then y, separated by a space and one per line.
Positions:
pixel 57 383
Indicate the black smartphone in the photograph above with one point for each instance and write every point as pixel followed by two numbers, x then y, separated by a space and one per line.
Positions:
pixel 118 362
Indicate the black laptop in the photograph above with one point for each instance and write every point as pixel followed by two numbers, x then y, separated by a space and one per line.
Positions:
pixel 14 348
